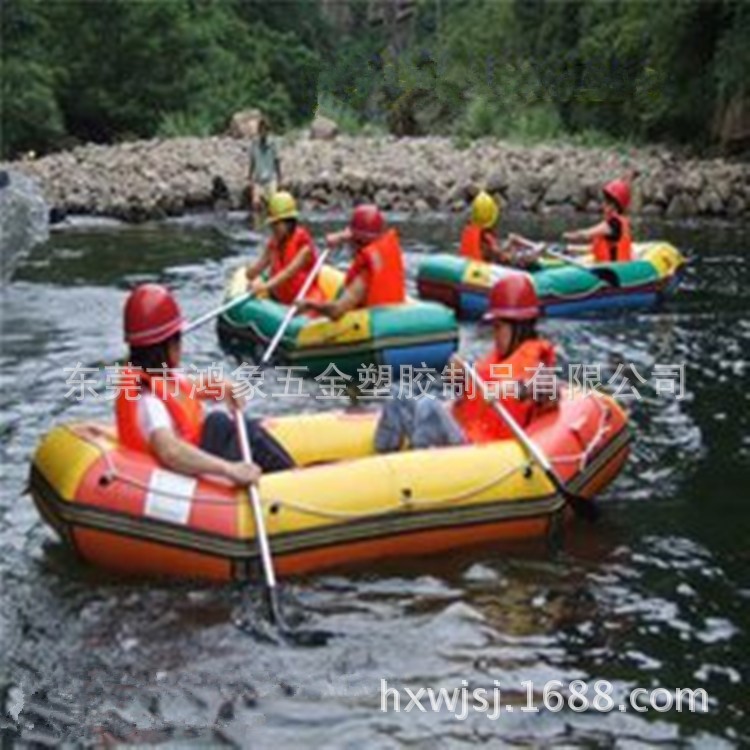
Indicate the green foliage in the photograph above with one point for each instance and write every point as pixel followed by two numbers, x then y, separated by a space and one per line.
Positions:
pixel 623 70
pixel 587 70
pixel 98 71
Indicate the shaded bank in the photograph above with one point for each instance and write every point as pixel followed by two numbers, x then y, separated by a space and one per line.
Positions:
pixel 156 178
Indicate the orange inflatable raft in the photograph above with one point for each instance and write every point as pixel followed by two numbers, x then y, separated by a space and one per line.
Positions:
pixel 340 504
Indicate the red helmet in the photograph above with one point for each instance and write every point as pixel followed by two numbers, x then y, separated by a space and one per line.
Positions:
pixel 513 298
pixel 152 315
pixel 367 223
pixel 619 192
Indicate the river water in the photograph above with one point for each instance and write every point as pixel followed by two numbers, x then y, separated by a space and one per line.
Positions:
pixel 657 594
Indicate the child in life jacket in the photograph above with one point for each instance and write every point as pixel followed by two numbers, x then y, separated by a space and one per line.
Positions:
pixel 376 275
pixel 289 256
pixel 517 353
pixel 165 416
pixel 479 240
pixel 610 240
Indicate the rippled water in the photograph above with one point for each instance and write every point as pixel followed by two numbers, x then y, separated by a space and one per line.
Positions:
pixel 656 594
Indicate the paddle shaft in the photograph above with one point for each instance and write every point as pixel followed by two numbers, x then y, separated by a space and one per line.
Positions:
pixel 260 526
pixel 292 311
pixel 531 447
pixel 211 314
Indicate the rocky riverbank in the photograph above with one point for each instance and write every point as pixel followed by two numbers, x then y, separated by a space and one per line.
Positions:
pixel 158 178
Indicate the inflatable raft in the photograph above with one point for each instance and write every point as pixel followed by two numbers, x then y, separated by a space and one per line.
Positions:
pixel 415 333
pixel 341 503
pixel 564 290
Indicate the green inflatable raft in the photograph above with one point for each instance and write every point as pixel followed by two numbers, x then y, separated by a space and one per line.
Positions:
pixel 564 290
pixel 413 334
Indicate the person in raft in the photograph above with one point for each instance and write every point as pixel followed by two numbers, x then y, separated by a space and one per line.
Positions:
pixel 264 169
pixel 517 354
pixel 167 419
pixel 609 241
pixel 480 242
pixel 289 257
pixel 376 275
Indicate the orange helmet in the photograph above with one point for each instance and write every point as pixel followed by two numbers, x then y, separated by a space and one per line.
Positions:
pixel 513 298
pixel 152 315
pixel 619 192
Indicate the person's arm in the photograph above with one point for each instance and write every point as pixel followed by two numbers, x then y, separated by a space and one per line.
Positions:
pixel 582 235
pixel 254 269
pixel 301 259
pixel 352 298
pixel 184 458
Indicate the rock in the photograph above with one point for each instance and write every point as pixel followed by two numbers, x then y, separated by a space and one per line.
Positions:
pixel 498 181
pixel 710 203
pixel 323 129
pixel 681 206
pixel 420 206
pixel 244 124
pixel 561 190
pixel 736 206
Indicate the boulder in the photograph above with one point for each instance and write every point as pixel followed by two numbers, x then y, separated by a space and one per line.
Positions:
pixel 561 190
pixel 681 206
pixel 323 129
pixel 244 124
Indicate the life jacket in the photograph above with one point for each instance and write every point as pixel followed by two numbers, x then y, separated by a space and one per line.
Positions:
pixel 282 256
pixel 381 265
pixel 174 392
pixel 479 421
pixel 606 250
pixel 471 242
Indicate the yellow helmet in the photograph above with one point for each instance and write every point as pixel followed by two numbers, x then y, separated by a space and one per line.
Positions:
pixel 281 206
pixel 484 211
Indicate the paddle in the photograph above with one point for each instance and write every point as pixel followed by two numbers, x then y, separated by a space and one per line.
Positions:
pixel 292 311
pixel 301 637
pixel 189 327
pixel 581 506
pixel 607 275
pixel 211 314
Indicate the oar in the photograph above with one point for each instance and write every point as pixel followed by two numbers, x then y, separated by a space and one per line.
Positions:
pixel 581 506
pixel 191 326
pixel 301 637
pixel 211 314
pixel 292 311
pixel 607 275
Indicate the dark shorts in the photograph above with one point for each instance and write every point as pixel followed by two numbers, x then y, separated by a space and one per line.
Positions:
pixel 219 438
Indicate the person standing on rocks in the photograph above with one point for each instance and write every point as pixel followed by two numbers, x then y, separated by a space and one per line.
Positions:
pixel 264 172
pixel 289 256
pixel 376 275
pixel 480 242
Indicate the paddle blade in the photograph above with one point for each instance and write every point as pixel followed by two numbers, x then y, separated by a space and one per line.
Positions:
pixel 583 507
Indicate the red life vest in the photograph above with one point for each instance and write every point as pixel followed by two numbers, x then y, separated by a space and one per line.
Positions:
pixel 175 392
pixel 282 256
pixel 479 421
pixel 472 240
pixel 606 250
pixel 381 266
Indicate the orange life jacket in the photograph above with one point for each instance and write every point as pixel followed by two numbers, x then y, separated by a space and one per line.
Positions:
pixel 606 250
pixel 282 256
pixel 175 393
pixel 381 266
pixel 479 421
pixel 472 239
